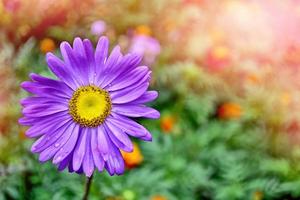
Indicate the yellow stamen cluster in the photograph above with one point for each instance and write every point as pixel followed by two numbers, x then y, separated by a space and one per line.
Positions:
pixel 89 106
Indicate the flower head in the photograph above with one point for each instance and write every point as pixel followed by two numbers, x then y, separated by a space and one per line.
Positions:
pixel 147 46
pixel 84 118
pixel 98 27
pixel 229 111
pixel 167 123
pixel 47 45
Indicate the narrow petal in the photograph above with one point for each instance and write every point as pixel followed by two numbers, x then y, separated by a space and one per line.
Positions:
pixel 80 150
pixel 60 69
pixel 40 90
pixel 78 56
pixel 126 64
pixel 128 94
pixel 146 97
pixel 63 164
pixel 41 100
pixel 35 111
pixel 115 162
pixel 42 128
pixel 103 142
pixel 136 111
pixel 52 83
pixel 50 137
pixel 131 127
pixel 68 147
pixel 88 162
pixel 89 51
pixel 98 160
pixel 72 61
pixel 53 149
pixel 118 137
pixel 101 54
pixel 111 63
pixel 129 79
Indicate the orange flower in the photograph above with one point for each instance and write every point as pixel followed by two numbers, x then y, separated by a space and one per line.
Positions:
pixel 47 45
pixel 229 111
pixel 134 158
pixel 143 30
pixel 158 197
pixel 167 123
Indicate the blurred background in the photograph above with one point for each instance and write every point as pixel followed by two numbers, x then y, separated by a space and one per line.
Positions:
pixel 228 75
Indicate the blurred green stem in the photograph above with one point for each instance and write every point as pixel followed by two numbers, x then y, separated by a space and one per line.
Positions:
pixel 87 187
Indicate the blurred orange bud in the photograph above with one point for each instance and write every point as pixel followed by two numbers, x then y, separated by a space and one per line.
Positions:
pixel 134 158
pixel 217 57
pixel 258 195
pixel 229 111
pixel 47 45
pixel 143 30
pixel 159 197
pixel 167 123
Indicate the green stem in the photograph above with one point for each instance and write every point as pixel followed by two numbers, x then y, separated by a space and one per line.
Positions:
pixel 87 188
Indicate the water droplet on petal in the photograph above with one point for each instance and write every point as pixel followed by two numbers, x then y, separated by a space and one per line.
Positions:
pixel 58 158
pixel 56 145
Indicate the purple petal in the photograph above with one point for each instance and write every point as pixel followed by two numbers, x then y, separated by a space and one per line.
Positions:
pixel 68 147
pixel 50 119
pixel 80 58
pixel 60 69
pixel 52 83
pixel 43 110
pixel 49 152
pixel 50 137
pixel 88 162
pixel 42 128
pixel 111 63
pixel 72 61
pixel 115 162
pixel 101 54
pixel 80 150
pixel 118 137
pixel 128 94
pixel 63 164
pixel 126 64
pixel 131 127
pixel 146 97
pixel 103 142
pixel 89 51
pixel 136 111
pixel 40 90
pixel 99 162
pixel 129 79
pixel 41 100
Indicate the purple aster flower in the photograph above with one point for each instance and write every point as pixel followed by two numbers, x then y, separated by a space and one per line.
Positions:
pixel 98 27
pixel 147 46
pixel 84 118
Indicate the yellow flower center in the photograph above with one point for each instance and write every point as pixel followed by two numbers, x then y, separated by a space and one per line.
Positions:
pixel 89 106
